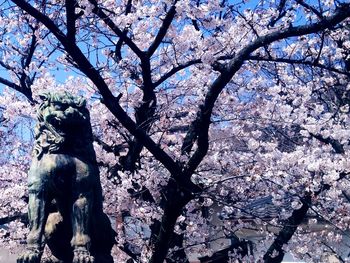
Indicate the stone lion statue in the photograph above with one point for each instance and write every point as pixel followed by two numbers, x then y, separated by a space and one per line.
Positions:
pixel 65 195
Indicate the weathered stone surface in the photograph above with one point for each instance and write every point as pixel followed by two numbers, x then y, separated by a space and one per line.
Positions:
pixel 65 196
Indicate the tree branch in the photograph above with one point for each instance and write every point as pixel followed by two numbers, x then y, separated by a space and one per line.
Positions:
pixel 24 79
pixel 23 217
pixel 163 30
pixel 281 13
pixel 336 145
pixel 275 252
pixel 26 92
pixel 70 11
pixel 108 148
pixel 99 12
pixel 144 113
pixel 119 44
pixel 175 70
pixel 300 62
pixel 311 8
pixel 30 51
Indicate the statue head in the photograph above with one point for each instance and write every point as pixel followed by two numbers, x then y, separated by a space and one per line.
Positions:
pixel 63 124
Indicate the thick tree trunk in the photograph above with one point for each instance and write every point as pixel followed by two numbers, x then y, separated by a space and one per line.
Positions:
pixel 175 200
pixel 161 245
pixel 179 255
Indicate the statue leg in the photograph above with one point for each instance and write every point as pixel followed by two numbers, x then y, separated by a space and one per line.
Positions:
pixel 37 213
pixel 58 233
pixel 81 214
pixel 103 238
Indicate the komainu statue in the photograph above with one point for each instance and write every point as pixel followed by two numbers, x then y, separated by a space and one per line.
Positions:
pixel 65 195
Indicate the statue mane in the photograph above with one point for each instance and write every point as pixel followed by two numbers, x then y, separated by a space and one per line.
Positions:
pixel 63 126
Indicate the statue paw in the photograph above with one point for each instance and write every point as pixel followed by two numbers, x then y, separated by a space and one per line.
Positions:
pixel 81 255
pixel 30 256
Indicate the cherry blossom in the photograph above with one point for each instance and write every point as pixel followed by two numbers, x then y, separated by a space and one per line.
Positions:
pixel 201 112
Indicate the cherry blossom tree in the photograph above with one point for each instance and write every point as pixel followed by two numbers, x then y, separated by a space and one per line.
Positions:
pixel 198 108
